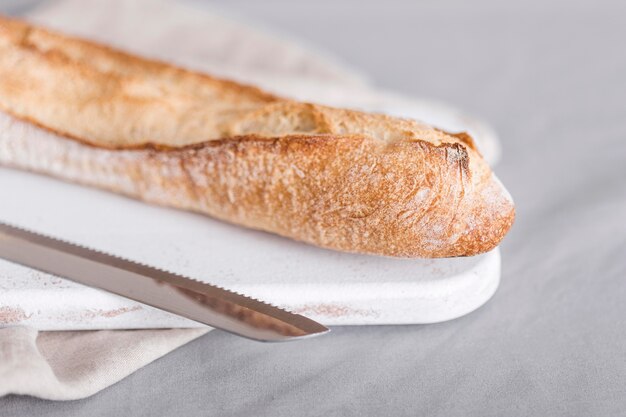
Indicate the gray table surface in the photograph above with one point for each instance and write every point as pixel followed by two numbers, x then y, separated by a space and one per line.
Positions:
pixel 551 77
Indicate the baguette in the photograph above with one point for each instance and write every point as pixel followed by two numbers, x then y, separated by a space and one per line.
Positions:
pixel 335 178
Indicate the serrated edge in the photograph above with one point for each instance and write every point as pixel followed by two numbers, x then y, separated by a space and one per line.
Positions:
pixel 9 228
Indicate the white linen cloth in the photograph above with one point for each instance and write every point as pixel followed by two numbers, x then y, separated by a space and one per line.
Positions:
pixel 73 365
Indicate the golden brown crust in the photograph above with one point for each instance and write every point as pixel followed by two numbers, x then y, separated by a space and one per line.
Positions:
pixel 336 178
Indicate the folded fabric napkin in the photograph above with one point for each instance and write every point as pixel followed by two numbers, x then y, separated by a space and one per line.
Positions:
pixel 73 365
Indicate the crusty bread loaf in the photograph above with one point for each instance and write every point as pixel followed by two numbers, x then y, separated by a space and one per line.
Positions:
pixel 336 178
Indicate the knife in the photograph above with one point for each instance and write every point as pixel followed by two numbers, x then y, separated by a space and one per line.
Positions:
pixel 187 297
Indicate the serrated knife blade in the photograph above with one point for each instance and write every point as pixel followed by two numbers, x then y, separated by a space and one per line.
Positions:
pixel 187 297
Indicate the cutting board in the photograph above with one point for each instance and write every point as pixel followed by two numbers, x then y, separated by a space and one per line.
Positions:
pixel 331 287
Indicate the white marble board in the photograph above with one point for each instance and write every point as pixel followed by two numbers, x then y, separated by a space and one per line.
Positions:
pixel 334 288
